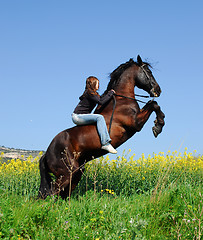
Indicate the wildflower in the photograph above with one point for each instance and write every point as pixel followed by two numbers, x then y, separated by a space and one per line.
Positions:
pixel 131 221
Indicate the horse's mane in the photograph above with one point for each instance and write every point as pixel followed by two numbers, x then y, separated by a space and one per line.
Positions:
pixel 115 75
pixel 115 78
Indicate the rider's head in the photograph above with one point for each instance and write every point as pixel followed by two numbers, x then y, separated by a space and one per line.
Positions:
pixel 92 84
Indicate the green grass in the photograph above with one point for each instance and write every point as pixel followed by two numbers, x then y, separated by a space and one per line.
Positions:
pixel 173 213
pixel 158 197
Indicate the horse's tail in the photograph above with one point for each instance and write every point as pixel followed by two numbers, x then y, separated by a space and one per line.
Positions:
pixel 45 185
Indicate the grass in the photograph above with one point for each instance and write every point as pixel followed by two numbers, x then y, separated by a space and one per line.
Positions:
pixel 162 199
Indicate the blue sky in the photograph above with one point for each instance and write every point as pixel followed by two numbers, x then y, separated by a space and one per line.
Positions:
pixel 49 48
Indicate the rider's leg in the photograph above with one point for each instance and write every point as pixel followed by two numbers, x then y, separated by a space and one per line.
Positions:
pixel 84 119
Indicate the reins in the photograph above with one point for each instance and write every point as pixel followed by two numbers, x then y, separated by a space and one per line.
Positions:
pixel 133 98
pixel 114 105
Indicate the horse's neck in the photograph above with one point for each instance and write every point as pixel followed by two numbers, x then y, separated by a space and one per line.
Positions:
pixel 126 89
pixel 127 83
pixel 125 111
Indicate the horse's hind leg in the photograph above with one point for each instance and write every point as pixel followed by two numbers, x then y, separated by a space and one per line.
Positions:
pixel 64 165
pixel 60 185
pixel 76 178
pixel 70 186
pixel 65 185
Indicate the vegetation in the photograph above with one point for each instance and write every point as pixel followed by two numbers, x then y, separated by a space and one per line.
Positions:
pixel 154 197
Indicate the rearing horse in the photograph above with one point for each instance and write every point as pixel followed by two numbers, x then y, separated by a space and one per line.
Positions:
pixel 73 147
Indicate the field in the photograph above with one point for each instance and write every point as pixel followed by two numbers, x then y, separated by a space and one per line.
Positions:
pixel 154 197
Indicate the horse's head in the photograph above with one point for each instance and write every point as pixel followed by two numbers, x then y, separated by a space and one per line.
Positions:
pixel 145 80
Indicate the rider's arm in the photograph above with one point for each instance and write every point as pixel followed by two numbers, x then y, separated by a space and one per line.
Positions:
pixel 101 100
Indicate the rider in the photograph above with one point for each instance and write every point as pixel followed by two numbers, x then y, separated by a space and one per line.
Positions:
pixel 82 114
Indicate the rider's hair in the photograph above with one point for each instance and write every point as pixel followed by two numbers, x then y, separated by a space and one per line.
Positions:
pixel 90 88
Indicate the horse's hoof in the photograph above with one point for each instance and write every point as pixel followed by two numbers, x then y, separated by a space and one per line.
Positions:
pixel 157 129
pixel 155 132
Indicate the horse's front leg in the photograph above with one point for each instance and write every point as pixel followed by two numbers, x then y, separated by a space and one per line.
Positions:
pixel 144 115
pixel 159 122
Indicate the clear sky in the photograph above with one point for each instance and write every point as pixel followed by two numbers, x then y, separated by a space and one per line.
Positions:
pixel 48 48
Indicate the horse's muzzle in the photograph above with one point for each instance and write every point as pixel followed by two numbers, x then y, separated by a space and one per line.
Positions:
pixel 155 91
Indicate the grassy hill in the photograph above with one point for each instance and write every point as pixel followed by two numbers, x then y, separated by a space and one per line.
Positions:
pixel 18 153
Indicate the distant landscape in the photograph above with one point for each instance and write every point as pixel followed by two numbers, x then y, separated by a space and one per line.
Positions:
pixel 18 153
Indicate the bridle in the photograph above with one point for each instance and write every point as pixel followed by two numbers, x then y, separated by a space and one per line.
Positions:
pixel 147 76
pixel 145 72
pixel 137 95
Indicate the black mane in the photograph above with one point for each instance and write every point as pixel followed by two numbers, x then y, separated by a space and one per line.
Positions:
pixel 115 75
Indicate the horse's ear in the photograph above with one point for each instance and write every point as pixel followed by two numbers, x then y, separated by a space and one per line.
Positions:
pixel 139 60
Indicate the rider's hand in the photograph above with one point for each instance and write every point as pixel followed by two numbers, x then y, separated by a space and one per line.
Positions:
pixel 113 91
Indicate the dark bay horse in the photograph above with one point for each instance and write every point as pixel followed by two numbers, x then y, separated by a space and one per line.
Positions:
pixel 72 148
